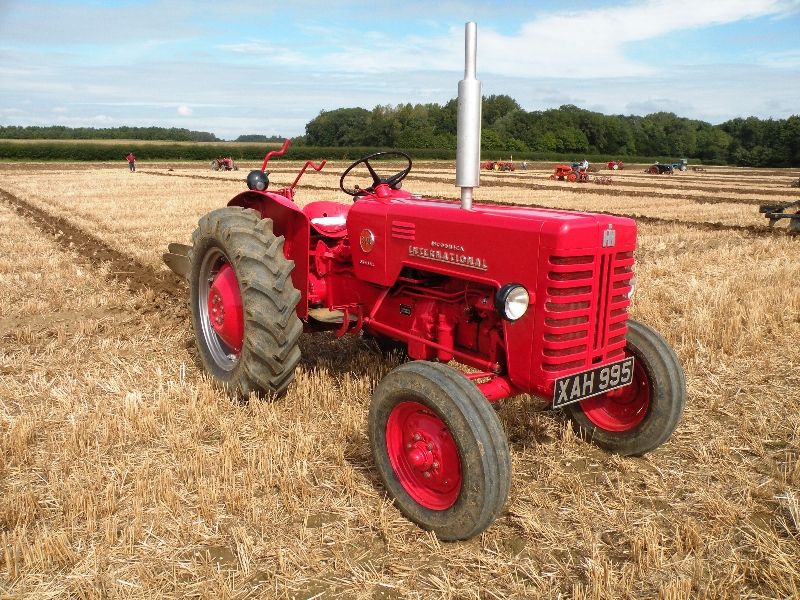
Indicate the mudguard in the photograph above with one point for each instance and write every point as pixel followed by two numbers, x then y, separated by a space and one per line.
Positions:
pixel 289 221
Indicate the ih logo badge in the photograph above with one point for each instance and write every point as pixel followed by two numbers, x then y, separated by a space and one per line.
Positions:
pixel 366 240
pixel 609 237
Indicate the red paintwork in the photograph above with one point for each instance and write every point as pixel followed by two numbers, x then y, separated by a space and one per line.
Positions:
pixel 621 409
pixel 425 272
pixel 497 165
pixel 611 163
pixel 423 455
pixel 225 308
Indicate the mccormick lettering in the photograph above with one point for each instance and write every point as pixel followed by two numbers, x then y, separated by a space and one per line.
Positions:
pixel 452 258
pixel 448 246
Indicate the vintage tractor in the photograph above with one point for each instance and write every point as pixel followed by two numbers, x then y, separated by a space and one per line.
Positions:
pixel 488 302
pixel 498 165
pixel 224 164
pixel 569 173
pixel 659 169
pixel 614 165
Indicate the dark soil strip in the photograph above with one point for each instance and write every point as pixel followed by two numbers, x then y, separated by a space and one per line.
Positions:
pixel 586 188
pixel 137 276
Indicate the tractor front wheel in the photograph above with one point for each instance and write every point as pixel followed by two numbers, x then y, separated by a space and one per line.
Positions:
pixel 639 417
pixel 243 303
pixel 440 449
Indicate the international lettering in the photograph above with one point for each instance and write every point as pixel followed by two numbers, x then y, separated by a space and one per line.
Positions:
pixel 453 258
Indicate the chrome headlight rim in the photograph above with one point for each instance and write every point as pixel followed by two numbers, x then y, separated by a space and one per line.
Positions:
pixel 512 301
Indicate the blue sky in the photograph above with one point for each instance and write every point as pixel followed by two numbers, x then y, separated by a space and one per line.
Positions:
pixel 267 67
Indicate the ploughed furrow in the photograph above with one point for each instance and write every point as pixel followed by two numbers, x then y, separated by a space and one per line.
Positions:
pixel 619 189
pixel 137 276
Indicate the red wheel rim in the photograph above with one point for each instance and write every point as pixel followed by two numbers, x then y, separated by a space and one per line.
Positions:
pixel 621 409
pixel 225 308
pixel 423 455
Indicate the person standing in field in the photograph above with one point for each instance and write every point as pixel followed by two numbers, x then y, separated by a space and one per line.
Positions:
pixel 131 161
pixel 524 166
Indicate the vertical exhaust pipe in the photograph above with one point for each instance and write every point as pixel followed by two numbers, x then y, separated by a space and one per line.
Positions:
pixel 470 95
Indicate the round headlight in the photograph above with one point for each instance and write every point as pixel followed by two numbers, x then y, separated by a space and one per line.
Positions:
pixel 257 180
pixel 512 301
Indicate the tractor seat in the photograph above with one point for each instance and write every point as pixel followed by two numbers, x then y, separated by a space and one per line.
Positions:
pixel 328 218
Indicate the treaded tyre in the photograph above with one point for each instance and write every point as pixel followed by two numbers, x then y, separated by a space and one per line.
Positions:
pixel 641 416
pixel 243 303
pixel 440 449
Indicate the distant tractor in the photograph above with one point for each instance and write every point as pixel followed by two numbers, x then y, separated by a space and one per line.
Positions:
pixel 224 164
pixel 659 169
pixel 498 165
pixel 614 165
pixel 569 173
pixel 681 165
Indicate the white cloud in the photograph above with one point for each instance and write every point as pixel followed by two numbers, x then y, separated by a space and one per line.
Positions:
pixel 60 110
pixel 543 47
pixel 185 111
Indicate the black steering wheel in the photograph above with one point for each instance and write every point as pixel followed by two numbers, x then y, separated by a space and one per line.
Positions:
pixel 393 181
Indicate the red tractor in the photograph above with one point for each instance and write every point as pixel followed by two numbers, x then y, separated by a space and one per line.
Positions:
pixel 614 165
pixel 498 165
pixel 571 174
pixel 223 164
pixel 487 301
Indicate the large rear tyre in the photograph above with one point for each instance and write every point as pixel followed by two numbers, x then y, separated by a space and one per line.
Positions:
pixel 243 303
pixel 654 170
pixel 641 416
pixel 440 449
pixel 572 177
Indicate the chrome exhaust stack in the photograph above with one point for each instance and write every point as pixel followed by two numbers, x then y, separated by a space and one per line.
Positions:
pixel 468 149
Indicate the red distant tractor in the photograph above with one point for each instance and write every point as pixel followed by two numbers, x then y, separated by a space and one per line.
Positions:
pixel 498 165
pixel 567 173
pixel 614 165
pixel 224 164
pixel 487 301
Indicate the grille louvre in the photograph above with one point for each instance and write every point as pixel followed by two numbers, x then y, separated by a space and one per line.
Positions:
pixel 585 309
pixel 403 231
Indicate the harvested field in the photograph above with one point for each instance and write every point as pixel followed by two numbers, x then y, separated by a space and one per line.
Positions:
pixel 124 473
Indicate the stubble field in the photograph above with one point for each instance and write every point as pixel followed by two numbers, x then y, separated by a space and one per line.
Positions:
pixel 125 473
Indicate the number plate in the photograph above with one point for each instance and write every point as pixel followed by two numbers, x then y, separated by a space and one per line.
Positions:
pixel 579 386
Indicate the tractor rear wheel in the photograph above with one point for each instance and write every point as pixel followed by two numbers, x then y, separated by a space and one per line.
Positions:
pixel 440 449
pixel 572 177
pixel 638 418
pixel 243 303
pixel 654 170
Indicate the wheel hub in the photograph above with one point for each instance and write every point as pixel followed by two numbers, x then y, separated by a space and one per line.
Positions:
pixel 621 409
pixel 423 455
pixel 225 308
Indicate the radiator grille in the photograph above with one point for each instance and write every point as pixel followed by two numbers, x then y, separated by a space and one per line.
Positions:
pixel 585 309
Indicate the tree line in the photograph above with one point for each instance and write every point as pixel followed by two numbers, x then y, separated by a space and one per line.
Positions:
pixel 60 132
pixel 507 127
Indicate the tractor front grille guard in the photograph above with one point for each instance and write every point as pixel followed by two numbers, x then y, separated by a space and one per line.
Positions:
pixel 585 316
pixel 775 212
